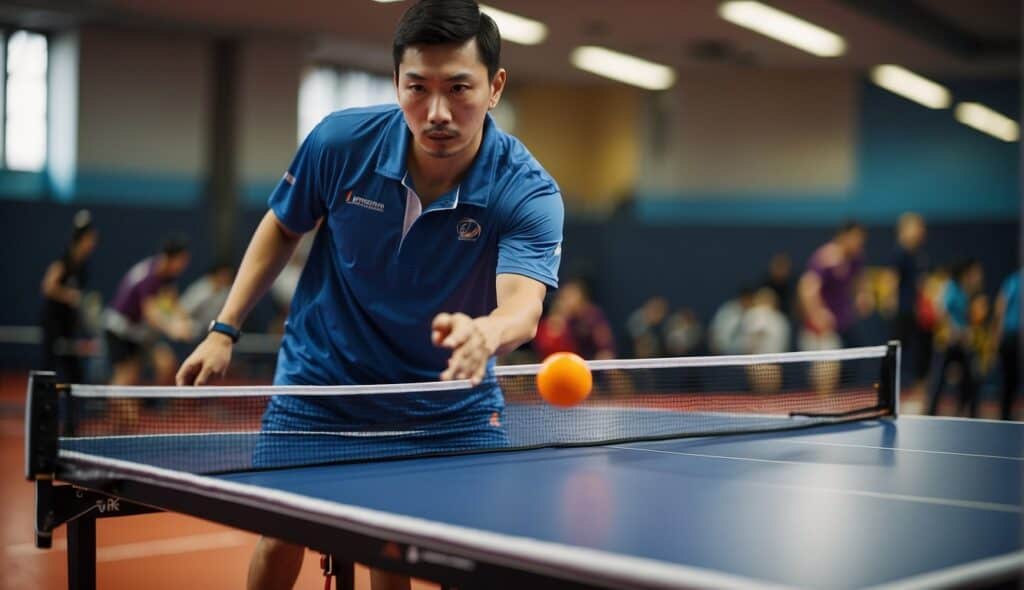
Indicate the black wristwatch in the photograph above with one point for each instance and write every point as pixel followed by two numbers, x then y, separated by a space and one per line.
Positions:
pixel 226 329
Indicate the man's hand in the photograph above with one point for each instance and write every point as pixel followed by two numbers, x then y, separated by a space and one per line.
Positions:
pixel 469 342
pixel 210 359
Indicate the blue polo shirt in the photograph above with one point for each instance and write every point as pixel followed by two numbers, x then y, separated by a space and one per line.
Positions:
pixel 381 269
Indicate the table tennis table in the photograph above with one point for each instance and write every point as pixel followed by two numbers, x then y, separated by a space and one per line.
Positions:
pixel 882 503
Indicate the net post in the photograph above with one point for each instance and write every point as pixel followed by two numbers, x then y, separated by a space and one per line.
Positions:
pixel 889 385
pixel 41 425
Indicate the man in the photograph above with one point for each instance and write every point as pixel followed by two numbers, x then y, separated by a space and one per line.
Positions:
pixel 144 308
pixel 62 288
pixel 438 237
pixel 725 333
pixel 967 281
pixel 827 291
pixel 647 326
pixel 575 324
pixel 911 264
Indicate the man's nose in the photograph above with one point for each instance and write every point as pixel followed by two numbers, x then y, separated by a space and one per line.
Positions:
pixel 440 113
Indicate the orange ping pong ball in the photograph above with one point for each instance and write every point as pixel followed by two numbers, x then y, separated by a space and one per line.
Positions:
pixel 564 379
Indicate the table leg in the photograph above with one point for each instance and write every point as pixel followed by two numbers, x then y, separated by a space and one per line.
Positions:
pixel 82 553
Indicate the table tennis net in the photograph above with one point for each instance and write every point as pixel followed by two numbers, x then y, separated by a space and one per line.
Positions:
pixel 220 429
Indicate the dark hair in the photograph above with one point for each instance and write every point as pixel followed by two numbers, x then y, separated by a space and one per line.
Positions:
pixel 964 266
pixel 439 22
pixel 174 245
pixel 849 226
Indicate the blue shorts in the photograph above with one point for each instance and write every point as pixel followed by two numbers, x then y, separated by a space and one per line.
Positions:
pixel 295 432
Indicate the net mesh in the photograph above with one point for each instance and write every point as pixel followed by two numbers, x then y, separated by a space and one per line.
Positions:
pixel 214 430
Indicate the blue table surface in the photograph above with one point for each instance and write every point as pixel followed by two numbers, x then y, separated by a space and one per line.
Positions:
pixel 841 506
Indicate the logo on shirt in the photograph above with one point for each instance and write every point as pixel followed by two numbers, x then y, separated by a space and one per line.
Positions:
pixel 468 230
pixel 354 199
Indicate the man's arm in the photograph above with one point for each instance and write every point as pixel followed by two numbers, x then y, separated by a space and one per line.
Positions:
pixel 809 292
pixel 269 250
pixel 474 340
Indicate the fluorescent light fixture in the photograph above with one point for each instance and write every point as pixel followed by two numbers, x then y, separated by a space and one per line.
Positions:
pixel 515 28
pixel 623 68
pixel 783 27
pixel 387 1
pixel 988 121
pixel 911 86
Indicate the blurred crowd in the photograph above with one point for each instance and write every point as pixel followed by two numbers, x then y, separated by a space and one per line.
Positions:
pixel 957 342
pixel 140 334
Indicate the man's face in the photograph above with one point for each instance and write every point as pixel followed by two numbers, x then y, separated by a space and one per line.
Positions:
pixel 176 264
pixel 853 242
pixel 445 94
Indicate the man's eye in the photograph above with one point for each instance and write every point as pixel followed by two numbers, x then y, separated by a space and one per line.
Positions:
pixel 460 88
pixel 416 87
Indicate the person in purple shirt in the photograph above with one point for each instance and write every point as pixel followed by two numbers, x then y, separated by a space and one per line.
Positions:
pixel 827 290
pixel 144 308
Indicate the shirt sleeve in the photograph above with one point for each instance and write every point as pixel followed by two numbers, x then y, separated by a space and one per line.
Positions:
pixel 532 244
pixel 298 200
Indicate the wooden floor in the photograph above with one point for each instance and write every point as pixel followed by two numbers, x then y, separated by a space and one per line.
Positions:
pixel 154 551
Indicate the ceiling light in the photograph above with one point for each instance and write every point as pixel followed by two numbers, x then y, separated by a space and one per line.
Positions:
pixel 623 68
pixel 783 27
pixel 988 121
pixel 911 86
pixel 515 28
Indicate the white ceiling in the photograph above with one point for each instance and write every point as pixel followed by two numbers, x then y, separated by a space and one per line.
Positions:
pixel 944 38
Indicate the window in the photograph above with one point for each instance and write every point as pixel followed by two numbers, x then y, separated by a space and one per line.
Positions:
pixel 24 101
pixel 324 90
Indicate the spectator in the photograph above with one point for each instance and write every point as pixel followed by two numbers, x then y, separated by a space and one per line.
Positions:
pixel 62 289
pixel 968 278
pixel 827 291
pixel 683 333
pixel 1006 325
pixel 205 297
pixel 144 308
pixel 765 329
pixel 725 333
pixel 575 324
pixel 910 264
pixel 646 326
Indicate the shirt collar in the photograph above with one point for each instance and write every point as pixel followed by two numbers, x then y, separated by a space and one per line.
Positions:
pixel 475 188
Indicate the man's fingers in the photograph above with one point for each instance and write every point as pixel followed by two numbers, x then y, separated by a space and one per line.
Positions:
pixel 442 321
pixel 458 337
pixel 185 374
pixel 204 376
